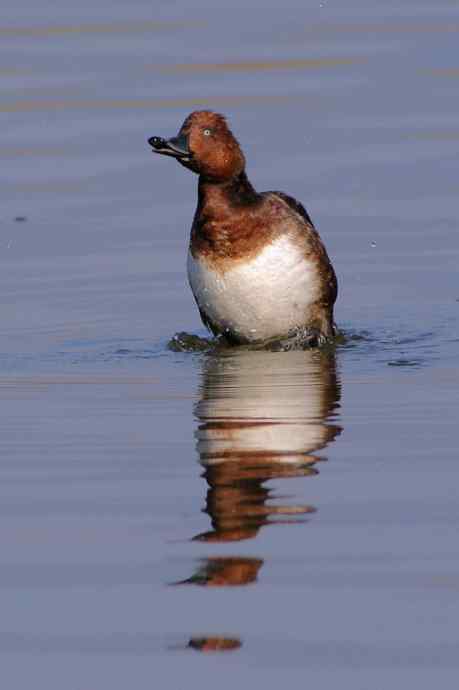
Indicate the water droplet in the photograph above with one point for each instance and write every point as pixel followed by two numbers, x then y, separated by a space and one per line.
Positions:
pixel 373 244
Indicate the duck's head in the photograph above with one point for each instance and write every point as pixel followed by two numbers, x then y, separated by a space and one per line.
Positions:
pixel 205 145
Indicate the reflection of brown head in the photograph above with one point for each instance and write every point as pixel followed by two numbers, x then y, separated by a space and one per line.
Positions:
pixel 214 644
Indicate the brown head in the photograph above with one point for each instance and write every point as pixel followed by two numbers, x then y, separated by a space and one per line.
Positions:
pixel 206 145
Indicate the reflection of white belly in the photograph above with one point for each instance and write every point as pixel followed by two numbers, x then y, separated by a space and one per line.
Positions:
pixel 270 404
pixel 281 441
pixel 260 299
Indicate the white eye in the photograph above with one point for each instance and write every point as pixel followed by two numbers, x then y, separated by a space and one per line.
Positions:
pixel 207 132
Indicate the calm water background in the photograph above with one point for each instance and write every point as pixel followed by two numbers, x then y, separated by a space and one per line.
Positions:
pixel 155 505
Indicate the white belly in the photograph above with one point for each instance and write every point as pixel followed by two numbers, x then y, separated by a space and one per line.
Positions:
pixel 260 299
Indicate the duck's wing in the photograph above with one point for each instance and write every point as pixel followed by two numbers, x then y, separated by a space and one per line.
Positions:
pixel 294 205
pixel 331 282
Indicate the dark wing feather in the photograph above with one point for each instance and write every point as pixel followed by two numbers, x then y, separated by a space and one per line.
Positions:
pixel 295 205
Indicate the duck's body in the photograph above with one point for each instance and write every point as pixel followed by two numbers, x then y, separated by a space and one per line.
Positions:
pixel 258 285
pixel 256 265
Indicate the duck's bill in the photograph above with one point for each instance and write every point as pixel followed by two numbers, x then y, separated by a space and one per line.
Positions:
pixel 176 147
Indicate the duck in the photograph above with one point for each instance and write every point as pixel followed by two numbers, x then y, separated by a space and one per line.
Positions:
pixel 257 267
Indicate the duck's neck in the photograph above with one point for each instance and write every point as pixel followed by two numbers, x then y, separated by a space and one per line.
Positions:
pixel 217 198
pixel 226 222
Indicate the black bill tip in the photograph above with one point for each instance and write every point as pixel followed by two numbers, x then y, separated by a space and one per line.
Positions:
pixel 176 146
pixel 157 142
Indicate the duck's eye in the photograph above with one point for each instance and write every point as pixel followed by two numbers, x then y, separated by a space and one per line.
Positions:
pixel 207 132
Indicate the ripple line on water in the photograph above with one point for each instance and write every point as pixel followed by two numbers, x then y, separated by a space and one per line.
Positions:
pixel 256 65
pixel 115 104
pixel 96 28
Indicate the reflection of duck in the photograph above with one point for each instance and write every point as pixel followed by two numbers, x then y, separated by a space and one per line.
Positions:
pixel 262 415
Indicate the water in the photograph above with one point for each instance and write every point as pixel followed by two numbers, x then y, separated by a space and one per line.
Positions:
pixel 227 517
